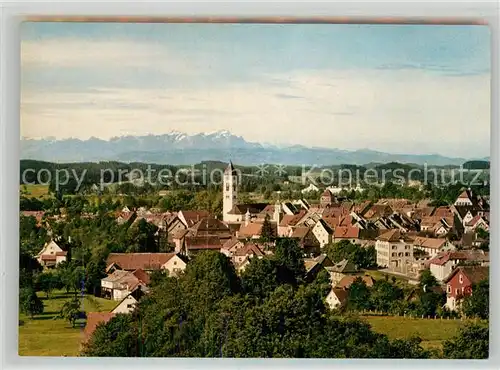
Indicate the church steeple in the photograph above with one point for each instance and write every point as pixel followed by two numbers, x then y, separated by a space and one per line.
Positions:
pixel 229 191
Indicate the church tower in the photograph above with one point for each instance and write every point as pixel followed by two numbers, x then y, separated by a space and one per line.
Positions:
pixel 229 191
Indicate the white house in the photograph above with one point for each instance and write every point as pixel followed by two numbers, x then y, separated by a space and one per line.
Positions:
pixel 432 246
pixel 464 199
pixel 323 232
pixel 126 305
pixel 121 283
pixel 443 264
pixel 336 298
pixel 51 255
pixel 394 251
pixel 310 188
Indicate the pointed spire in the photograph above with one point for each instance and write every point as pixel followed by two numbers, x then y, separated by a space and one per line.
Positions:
pixel 230 168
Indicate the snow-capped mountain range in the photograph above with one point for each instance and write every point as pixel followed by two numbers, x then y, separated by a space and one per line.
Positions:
pixel 180 148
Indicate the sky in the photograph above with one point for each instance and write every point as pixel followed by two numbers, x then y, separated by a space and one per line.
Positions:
pixel 415 89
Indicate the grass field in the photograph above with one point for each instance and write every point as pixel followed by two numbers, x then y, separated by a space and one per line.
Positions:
pixel 35 191
pixel 46 336
pixel 432 332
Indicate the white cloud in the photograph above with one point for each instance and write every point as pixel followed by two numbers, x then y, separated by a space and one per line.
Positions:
pixel 74 53
pixel 393 111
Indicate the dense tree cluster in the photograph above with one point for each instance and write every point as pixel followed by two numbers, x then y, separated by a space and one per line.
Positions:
pixel 363 258
pixel 209 311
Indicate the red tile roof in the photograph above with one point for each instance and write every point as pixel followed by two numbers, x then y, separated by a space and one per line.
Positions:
pixel 203 242
pixel 347 281
pixel 475 274
pixel 249 249
pixel 93 320
pixel 347 232
pixel 142 276
pixel 393 235
pixel 144 261
pixel 250 230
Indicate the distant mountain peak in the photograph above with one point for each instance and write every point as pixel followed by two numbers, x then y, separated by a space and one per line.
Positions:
pixel 178 147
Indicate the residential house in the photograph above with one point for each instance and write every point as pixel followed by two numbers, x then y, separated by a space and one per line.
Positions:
pixel 477 222
pixel 307 240
pixel 238 211
pixel 327 198
pixel 310 188
pixel 346 281
pixel 288 222
pixel 252 230
pixel 315 265
pixel 377 211
pixel 231 246
pixel 189 218
pixel 249 251
pixel 465 214
pixel 172 262
pixel 323 232
pixel 51 255
pixel 432 246
pixel 394 250
pixel 337 298
pixel 128 304
pixel 125 217
pixel 460 283
pixel 349 233
pixel 121 283
pixel 340 270
pixel 443 264
pixel 195 244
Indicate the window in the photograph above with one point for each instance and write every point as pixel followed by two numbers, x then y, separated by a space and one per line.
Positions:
pixel 407 247
pixel 227 196
pixel 130 305
pixel 393 254
pixel 407 254
pixel 227 187
pixel 456 291
pixel 400 254
pixel 175 262
pixel 448 288
pixel 460 279
pixel 393 247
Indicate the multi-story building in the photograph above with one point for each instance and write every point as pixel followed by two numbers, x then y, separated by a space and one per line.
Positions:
pixel 394 251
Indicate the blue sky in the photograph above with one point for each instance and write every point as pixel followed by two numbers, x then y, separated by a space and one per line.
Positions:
pixel 413 89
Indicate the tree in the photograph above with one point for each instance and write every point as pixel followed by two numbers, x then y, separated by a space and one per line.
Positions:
pixel 384 294
pixel 48 281
pixel 119 337
pixel 472 342
pixel 71 310
pixel 260 277
pixel 362 257
pixel 478 304
pixel 427 280
pixel 29 303
pixel 358 297
pixel 289 256
pixel 267 233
